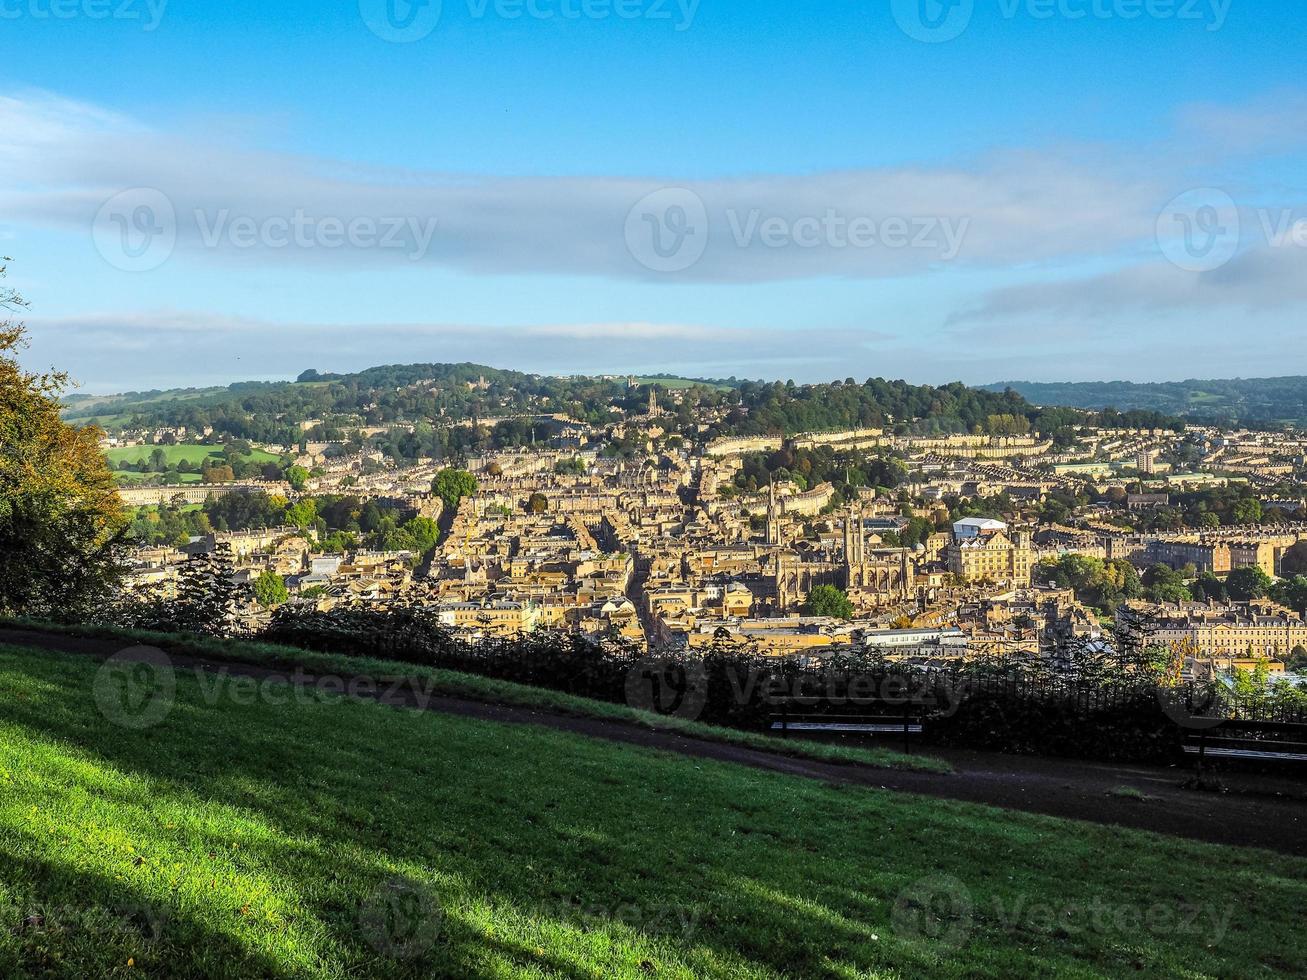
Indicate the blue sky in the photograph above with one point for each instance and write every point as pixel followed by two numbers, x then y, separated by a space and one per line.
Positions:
pixel 833 196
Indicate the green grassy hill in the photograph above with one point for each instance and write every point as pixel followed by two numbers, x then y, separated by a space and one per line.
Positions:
pixel 256 834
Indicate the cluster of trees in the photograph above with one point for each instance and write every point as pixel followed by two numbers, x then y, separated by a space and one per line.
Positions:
pixel 807 468
pixel 336 523
pixel 786 408
pixel 1213 507
pixel 61 520
pixel 827 600
pixel 452 485
pixel 1105 584
pixel 1100 584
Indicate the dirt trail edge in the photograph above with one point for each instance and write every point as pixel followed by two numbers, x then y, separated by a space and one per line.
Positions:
pixel 1261 811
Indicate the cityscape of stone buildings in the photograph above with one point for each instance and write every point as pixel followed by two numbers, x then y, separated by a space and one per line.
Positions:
pixel 663 548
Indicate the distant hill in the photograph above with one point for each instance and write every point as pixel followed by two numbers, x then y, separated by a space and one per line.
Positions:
pixel 416 405
pixel 1233 400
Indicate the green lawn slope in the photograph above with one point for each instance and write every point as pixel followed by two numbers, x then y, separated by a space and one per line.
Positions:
pixel 252 834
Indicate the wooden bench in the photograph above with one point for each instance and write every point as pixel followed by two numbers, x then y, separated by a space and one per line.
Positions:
pixel 815 714
pixel 1260 741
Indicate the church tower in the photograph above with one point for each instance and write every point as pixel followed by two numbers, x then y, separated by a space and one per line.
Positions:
pixel 773 518
pixel 854 547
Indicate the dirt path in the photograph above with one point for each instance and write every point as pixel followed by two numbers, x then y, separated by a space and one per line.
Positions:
pixel 1260 811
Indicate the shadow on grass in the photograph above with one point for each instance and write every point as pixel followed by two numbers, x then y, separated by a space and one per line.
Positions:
pixel 544 850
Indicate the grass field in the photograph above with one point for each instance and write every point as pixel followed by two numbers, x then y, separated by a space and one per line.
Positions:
pixel 193 454
pixel 456 684
pixel 252 834
pixel 678 384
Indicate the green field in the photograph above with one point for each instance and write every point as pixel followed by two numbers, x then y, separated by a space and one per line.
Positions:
pixel 677 384
pixel 193 454
pixel 248 835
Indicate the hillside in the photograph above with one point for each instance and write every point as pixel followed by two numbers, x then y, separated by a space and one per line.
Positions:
pixel 251 833
pixel 417 403
pixel 1236 400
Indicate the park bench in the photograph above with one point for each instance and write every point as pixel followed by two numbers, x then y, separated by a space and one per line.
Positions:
pixel 1259 741
pixel 906 717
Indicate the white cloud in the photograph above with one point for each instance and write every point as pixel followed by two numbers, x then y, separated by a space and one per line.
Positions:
pixel 61 161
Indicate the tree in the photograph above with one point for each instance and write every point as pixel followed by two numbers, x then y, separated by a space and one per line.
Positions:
pixel 1291 592
pixel 1164 584
pixel 1248 583
pixel 1247 511
pixel 421 534
pixel 270 589
pixel 207 599
pixel 537 503
pixel 61 520
pixel 452 485
pixel 297 477
pixel 827 600
pixel 1208 588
